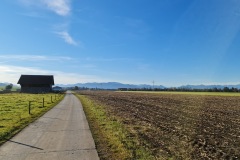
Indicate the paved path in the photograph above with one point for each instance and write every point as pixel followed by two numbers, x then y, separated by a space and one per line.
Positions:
pixel 61 134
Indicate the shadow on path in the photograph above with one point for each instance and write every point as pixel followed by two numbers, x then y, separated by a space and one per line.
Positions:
pixel 23 144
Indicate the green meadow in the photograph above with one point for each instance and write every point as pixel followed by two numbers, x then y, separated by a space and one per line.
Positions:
pixel 14 111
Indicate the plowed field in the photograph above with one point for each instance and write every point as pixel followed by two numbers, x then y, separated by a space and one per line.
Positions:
pixel 178 126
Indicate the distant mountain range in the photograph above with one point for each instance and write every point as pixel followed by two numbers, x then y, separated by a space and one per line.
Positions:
pixel 110 85
pixel 116 85
pixel 4 84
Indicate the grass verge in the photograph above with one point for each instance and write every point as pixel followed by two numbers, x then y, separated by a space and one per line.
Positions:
pixel 113 140
pixel 14 111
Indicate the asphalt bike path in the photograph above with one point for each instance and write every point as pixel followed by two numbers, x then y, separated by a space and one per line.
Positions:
pixel 61 134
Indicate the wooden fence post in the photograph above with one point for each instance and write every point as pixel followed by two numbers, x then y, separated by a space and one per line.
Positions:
pixel 43 102
pixel 29 107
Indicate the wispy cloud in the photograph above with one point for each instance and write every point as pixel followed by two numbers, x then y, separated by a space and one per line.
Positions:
pixel 67 38
pixel 60 7
pixel 33 58
pixel 11 74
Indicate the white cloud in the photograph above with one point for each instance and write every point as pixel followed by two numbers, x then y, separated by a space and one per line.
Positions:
pixel 60 7
pixel 11 74
pixel 66 36
pixel 34 58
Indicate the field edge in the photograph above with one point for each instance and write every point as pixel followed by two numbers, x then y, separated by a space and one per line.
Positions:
pixel 112 139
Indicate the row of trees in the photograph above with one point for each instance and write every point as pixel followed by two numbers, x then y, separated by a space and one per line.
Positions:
pixel 6 89
pixel 225 89
pixel 9 87
pixel 75 88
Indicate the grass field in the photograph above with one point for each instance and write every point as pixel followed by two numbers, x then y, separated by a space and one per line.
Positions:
pixel 170 125
pixel 14 110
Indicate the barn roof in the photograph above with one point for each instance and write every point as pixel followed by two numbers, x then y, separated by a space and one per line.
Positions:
pixel 36 79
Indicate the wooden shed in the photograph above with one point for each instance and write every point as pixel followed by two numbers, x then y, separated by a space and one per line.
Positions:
pixel 36 83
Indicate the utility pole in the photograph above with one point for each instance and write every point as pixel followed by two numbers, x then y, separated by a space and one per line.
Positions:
pixel 153 84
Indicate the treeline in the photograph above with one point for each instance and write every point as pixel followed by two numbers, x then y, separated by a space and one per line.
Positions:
pixel 225 89
pixel 75 88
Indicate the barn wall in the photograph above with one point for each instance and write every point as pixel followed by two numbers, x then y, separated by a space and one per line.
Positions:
pixel 35 89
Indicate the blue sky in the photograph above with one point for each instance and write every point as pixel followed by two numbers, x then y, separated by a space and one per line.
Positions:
pixel 173 42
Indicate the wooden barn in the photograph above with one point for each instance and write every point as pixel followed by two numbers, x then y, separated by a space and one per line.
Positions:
pixel 36 83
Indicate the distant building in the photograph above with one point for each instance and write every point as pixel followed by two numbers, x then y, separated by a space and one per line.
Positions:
pixel 57 89
pixel 123 89
pixel 36 83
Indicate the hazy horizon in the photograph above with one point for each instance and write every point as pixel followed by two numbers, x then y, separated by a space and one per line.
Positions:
pixel 150 84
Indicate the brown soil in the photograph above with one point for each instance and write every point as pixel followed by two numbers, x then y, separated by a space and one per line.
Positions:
pixel 178 126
